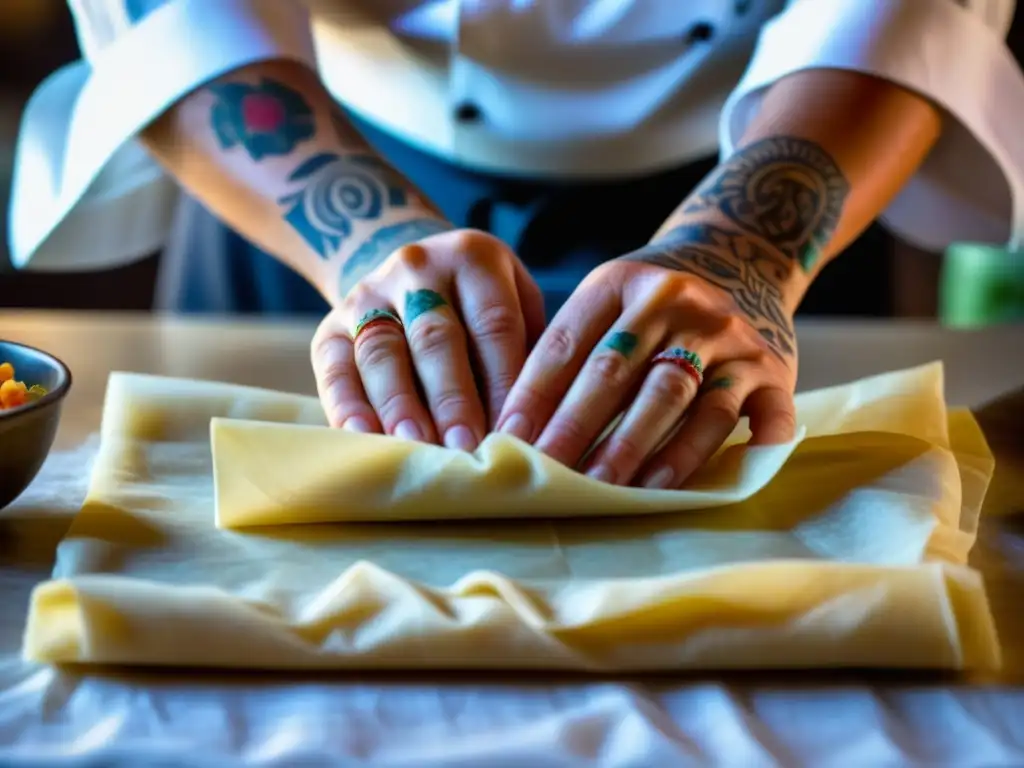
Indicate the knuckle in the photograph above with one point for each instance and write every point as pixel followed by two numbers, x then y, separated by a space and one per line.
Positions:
pixel 607 278
pixel 395 406
pixel 327 349
pixel 335 371
pixel 327 337
pixel 624 450
pixel 722 411
pixel 685 456
pixel 610 368
pixel 671 286
pixel 497 322
pixel 498 385
pixel 413 256
pixel 377 346
pixel 474 243
pixel 609 270
pixel 724 403
pixel 431 334
pixel 320 346
pixel 687 289
pixel 569 431
pixel 361 295
pixel 736 326
pixel 670 385
pixel 784 417
pixel 559 345
pixel 449 405
pixel 758 356
pixel 530 399
pixel 762 356
pixel 346 409
pixel 502 380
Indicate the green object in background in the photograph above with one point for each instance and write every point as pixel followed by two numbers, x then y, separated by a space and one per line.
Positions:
pixel 981 285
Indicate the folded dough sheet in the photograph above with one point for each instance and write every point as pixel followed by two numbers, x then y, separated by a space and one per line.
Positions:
pixel 290 546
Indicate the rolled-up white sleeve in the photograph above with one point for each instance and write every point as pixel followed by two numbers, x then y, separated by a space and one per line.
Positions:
pixel 953 52
pixel 85 195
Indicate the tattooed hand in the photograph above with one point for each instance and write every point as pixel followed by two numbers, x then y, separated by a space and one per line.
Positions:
pixel 432 332
pixel 748 271
pixel 714 297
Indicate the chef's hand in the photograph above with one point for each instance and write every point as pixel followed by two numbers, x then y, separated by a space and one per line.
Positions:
pixel 427 345
pixel 708 297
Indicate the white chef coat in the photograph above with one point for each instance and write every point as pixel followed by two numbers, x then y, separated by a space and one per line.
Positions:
pixel 557 88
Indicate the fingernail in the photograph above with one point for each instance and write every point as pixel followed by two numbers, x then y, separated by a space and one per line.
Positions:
pixel 660 479
pixel 519 426
pixel 408 430
pixel 357 424
pixel 460 438
pixel 602 474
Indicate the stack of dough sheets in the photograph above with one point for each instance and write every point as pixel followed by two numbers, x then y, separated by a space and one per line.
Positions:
pixel 227 527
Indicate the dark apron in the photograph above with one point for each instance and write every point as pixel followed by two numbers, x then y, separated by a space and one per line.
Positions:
pixel 561 231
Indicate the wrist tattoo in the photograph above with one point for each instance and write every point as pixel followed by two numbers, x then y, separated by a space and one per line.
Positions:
pixel 738 264
pixel 381 244
pixel 785 190
pixel 337 190
pixel 268 119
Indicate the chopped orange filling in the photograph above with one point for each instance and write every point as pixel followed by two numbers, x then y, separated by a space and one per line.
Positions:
pixel 13 392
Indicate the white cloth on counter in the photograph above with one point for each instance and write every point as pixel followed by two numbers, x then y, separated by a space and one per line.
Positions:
pixel 67 719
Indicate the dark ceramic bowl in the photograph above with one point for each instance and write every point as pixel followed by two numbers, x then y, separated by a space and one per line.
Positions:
pixel 27 432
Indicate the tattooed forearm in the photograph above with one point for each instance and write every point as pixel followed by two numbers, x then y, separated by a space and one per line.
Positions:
pixel 346 133
pixel 339 193
pixel 381 244
pixel 785 190
pixel 736 263
pixel 336 190
pixel 267 119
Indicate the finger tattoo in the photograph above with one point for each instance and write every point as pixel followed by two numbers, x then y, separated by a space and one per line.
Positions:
pixel 622 342
pixel 420 302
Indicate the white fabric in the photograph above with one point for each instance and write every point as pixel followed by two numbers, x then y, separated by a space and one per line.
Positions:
pixel 84 194
pixel 55 719
pixel 961 192
pixel 581 88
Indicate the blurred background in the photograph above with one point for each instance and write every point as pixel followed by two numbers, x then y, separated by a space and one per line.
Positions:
pixel 37 37
pixel 879 277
